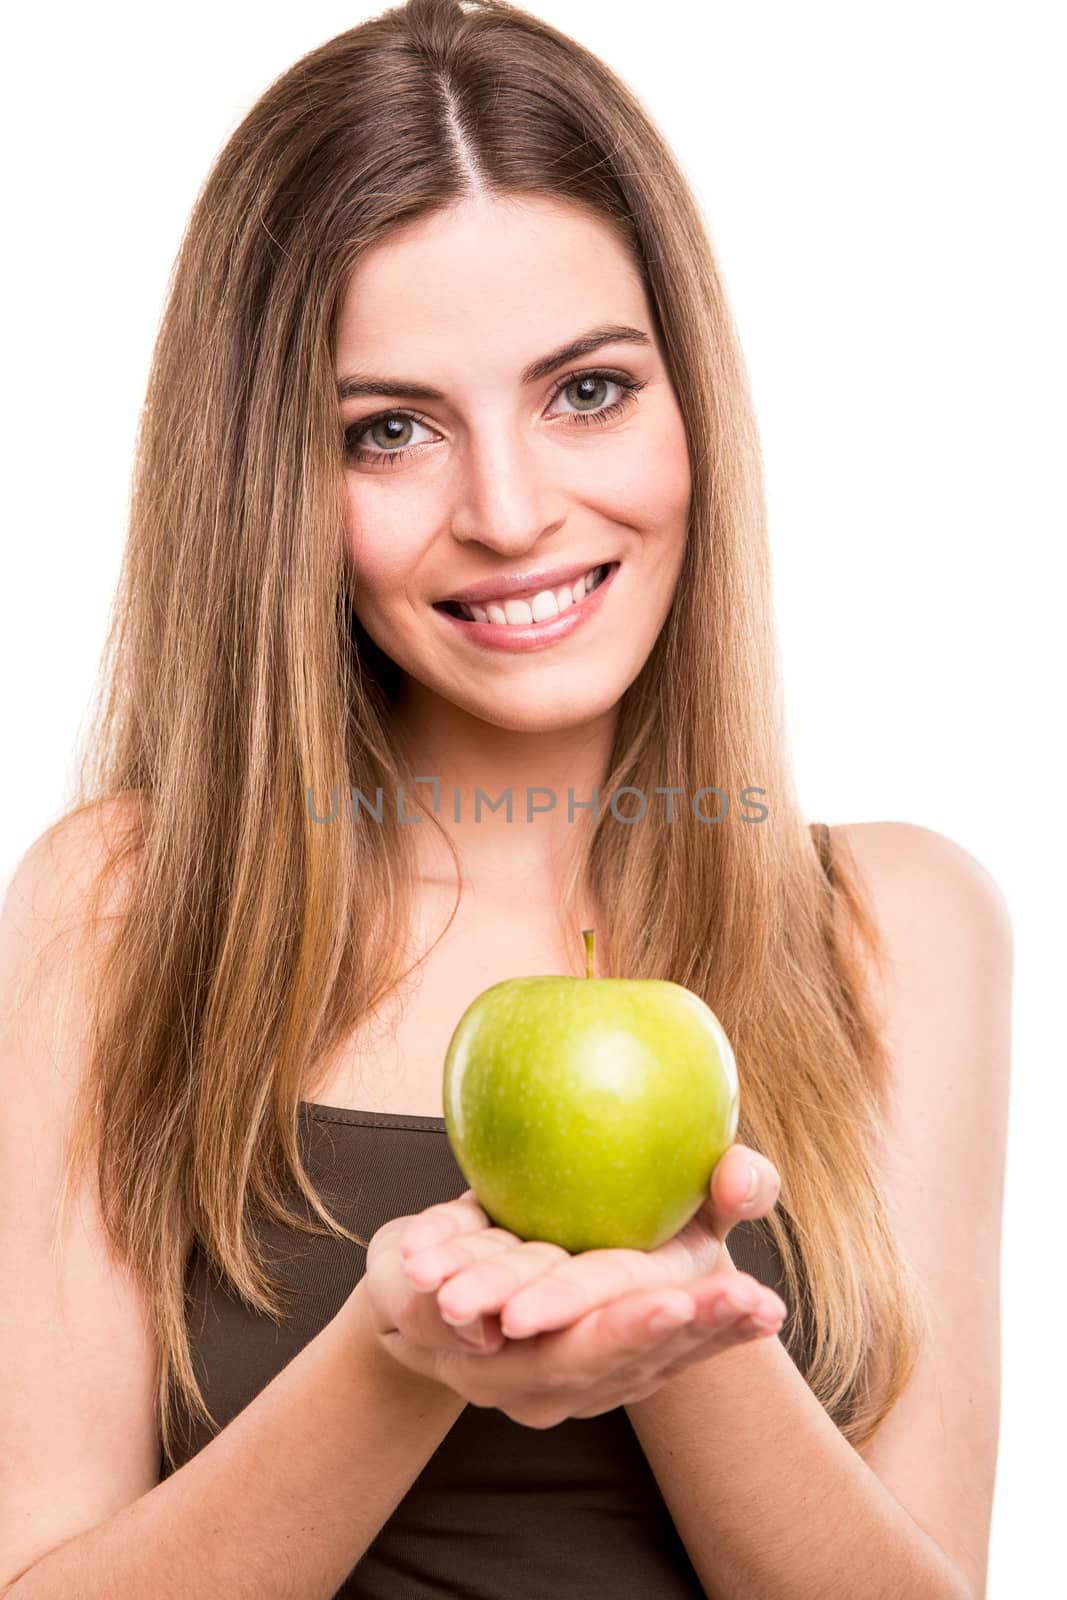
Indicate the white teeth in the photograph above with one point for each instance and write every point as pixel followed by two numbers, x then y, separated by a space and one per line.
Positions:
pixel 548 603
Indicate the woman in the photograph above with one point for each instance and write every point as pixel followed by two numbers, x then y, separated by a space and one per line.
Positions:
pixel 446 320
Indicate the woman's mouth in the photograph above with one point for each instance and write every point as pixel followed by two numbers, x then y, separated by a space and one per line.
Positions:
pixel 530 623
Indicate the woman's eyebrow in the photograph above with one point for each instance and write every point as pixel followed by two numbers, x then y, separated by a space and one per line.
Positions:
pixel 401 389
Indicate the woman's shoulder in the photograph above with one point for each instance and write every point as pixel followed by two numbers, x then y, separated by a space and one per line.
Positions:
pixel 63 864
pixel 898 860
pixel 59 897
pixel 943 927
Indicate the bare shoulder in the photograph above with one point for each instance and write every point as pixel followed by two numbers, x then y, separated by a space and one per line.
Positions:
pixel 896 858
pixel 58 906
pixel 943 924
pixel 922 888
pixel 61 868
pixel 58 915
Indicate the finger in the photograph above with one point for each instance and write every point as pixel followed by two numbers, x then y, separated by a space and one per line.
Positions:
pixel 486 1284
pixel 732 1300
pixel 428 1269
pixel 729 1311
pixel 744 1183
pixel 581 1284
pixel 402 1305
pixel 585 1351
pixel 624 1327
pixel 442 1221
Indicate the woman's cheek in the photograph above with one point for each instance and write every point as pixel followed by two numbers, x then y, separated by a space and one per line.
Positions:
pixel 648 485
pixel 383 547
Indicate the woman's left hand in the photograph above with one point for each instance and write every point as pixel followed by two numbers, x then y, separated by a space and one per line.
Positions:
pixel 532 1286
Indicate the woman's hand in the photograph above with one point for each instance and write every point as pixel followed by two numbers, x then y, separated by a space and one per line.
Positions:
pixel 542 1335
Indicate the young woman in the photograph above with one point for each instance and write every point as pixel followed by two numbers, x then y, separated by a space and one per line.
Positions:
pixel 446 339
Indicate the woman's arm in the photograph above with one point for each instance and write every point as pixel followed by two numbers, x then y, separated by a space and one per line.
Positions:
pixel 770 1500
pixel 284 1501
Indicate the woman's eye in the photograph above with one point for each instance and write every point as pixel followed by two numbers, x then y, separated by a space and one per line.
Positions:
pixel 589 391
pixel 392 437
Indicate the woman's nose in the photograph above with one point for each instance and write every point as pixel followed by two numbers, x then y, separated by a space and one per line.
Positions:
pixel 507 496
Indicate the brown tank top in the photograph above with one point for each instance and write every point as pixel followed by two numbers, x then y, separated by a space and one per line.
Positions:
pixel 500 1511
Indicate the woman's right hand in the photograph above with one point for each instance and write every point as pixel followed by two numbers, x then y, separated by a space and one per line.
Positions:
pixel 606 1358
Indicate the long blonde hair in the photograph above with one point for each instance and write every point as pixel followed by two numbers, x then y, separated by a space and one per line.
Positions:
pixel 236 679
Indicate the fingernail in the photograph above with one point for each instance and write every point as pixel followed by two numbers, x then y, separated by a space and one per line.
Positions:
pixel 753 1184
pixel 422 1236
pixel 768 1315
pixel 736 1303
pixel 426 1280
pixel 466 1323
pixel 671 1316
pixel 459 1322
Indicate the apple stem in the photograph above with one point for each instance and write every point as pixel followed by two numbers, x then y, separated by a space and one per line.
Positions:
pixel 587 935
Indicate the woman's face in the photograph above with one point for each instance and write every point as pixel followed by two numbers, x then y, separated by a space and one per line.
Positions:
pixel 522 463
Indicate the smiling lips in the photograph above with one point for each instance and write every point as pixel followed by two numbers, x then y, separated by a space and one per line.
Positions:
pixel 536 603
pixel 520 585
pixel 515 627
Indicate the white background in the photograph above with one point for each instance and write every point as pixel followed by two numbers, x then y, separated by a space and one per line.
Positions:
pixel 883 186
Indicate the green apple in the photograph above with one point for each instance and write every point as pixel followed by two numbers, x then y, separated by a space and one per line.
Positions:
pixel 590 1112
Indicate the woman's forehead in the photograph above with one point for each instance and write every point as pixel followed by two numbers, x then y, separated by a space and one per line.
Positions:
pixel 517 280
